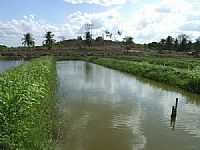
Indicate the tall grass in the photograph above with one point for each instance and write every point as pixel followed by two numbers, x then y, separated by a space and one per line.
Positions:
pixel 26 105
pixel 188 80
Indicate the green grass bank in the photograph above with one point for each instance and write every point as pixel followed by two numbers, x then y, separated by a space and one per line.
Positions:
pixel 184 79
pixel 182 63
pixel 26 104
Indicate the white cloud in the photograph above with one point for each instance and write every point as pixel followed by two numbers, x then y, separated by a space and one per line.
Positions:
pixel 101 21
pixel 101 2
pixel 167 17
pixel 148 23
pixel 11 32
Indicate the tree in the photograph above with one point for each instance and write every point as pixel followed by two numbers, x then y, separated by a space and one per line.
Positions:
pixel 79 38
pixel 28 40
pixel 88 39
pixel 49 40
pixel 189 45
pixel 162 45
pixel 183 41
pixel 2 47
pixel 128 42
pixel 154 45
pixel 79 41
pixel 176 45
pixel 99 38
pixel 197 44
pixel 169 43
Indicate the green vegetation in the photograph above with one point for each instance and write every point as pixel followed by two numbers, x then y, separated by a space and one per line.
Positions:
pixel 3 47
pixel 188 80
pixel 128 42
pixel 88 39
pixel 181 63
pixel 28 40
pixel 49 40
pixel 26 105
pixel 181 43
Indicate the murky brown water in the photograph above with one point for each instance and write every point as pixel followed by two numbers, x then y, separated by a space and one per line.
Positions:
pixel 104 109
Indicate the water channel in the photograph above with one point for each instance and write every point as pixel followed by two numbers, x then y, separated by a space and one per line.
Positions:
pixel 104 109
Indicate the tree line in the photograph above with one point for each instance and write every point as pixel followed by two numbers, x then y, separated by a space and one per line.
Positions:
pixel 29 41
pixel 127 41
pixel 181 43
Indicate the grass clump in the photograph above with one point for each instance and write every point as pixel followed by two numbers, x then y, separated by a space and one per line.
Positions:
pixel 188 80
pixel 26 105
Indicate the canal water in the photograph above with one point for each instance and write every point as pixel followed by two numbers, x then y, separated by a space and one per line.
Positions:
pixel 5 65
pixel 104 109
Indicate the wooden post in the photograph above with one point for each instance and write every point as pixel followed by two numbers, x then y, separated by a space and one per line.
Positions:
pixel 176 104
pixel 173 115
pixel 173 112
pixel 174 109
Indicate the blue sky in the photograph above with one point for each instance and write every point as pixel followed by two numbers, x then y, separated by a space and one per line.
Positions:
pixel 145 20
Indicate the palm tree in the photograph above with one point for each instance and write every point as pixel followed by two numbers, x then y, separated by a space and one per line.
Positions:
pixel 88 39
pixel 28 40
pixel 49 40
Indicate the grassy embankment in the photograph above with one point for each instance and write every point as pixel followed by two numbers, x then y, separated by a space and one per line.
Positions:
pixel 186 79
pixel 182 63
pixel 26 105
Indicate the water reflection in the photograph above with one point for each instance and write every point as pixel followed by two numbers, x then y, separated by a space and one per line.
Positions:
pixel 101 126
pixel 173 122
pixel 5 65
pixel 108 110
pixel 191 97
pixel 189 119
pixel 88 71
pixel 97 114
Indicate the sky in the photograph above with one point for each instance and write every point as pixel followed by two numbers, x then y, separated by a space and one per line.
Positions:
pixel 145 20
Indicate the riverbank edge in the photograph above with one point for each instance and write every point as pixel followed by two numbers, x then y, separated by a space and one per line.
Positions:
pixel 186 80
pixel 27 105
